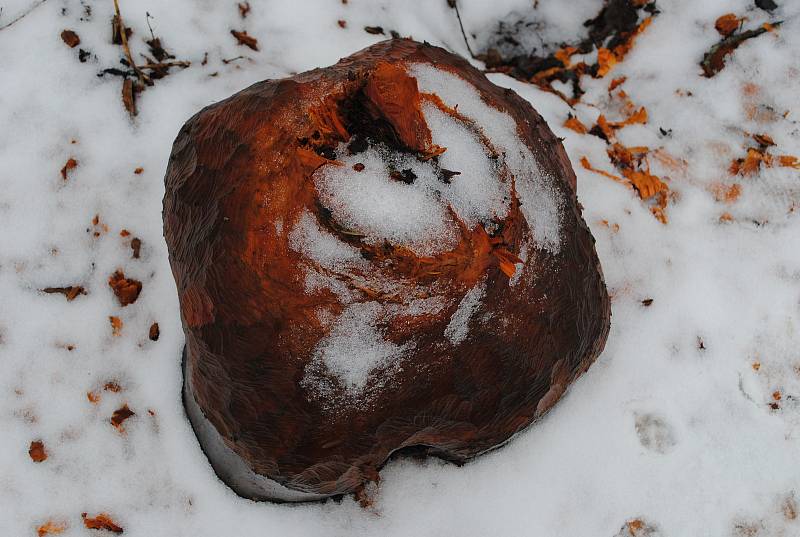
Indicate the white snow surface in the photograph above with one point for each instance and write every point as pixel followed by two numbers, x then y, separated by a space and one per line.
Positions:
pixel 660 429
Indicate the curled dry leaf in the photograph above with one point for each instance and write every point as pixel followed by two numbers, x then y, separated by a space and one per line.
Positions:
pixel 126 289
pixel 244 9
pixel 246 40
pixel 120 415
pixel 71 164
pixel 103 521
pixel 37 451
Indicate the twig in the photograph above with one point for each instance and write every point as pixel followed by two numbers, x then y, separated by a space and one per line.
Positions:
pixel 160 65
pixel 454 5
pixel 23 14
pixel 143 78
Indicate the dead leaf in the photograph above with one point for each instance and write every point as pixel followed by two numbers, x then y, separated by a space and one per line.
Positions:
pixel 37 452
pixel 120 415
pixel 244 9
pixel 70 38
pixel 103 521
pixel 116 325
pixel 573 123
pixel 51 528
pixel 374 30
pixel 646 184
pixel 616 83
pixel 605 61
pixel 112 386
pixel 154 333
pixel 70 165
pixel 727 24
pixel 71 292
pixel 585 163
pixel 136 246
pixel 138 171
pixel 247 40
pixel 714 60
pixel 726 193
pixel 126 289
pixel 129 97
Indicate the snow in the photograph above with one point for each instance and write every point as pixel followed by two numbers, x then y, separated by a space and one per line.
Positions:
pixel 353 351
pixel 539 203
pixel 458 327
pixel 658 429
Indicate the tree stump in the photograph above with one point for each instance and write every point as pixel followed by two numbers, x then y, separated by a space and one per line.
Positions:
pixel 382 256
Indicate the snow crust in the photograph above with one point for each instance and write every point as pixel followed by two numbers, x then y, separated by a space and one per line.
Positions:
pixel 658 428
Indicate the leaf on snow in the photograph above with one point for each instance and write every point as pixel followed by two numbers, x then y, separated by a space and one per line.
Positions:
pixel 103 521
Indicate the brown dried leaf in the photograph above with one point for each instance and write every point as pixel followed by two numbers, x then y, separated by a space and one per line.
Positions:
pixel 103 521
pixel 573 123
pixel 244 9
pixel 247 40
pixel 154 333
pixel 646 184
pixel 37 451
pixel 136 246
pixel 70 292
pixel 71 164
pixel 120 415
pixel 70 38
pixel 116 325
pixel 727 24
pixel 126 289
pixel 585 163
pixel 129 97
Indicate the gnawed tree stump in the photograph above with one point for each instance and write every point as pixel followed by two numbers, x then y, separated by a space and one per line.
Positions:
pixel 379 256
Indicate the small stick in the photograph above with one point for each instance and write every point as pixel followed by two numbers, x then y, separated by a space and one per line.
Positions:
pixel 165 64
pixel 143 78
pixel 454 4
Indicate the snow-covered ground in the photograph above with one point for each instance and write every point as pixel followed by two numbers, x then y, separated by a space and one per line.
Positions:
pixel 688 423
